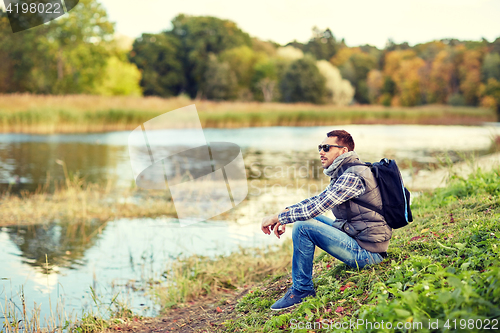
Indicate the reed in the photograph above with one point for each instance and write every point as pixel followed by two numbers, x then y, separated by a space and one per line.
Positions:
pixel 196 276
pixel 79 203
pixel 42 114
pixel 19 316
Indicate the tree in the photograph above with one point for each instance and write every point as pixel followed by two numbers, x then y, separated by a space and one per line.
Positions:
pixel 495 46
pixel 490 93
pixel 339 91
pixel 199 37
pixel 354 66
pixel 222 83
pixel 79 44
pixel 440 76
pixel 302 82
pixel 242 61
pixel 289 53
pixel 404 68
pixel 375 83
pixel 120 78
pixel 322 45
pixel 157 56
pixel 491 67
pixel 429 51
pixel 470 75
pixel 264 80
pixel 67 55
pixel 19 53
pixel 269 48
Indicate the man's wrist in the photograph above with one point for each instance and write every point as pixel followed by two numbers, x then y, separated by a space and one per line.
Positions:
pixel 283 216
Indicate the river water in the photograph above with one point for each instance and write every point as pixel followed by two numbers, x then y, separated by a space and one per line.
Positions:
pixel 123 257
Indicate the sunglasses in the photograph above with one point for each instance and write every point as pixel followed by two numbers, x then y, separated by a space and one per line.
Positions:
pixel 326 148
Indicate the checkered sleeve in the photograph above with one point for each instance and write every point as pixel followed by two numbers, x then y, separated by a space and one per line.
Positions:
pixel 347 186
pixel 303 202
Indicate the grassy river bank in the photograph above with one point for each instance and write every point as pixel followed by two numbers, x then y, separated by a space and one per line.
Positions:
pixel 46 114
pixel 442 275
pixel 443 268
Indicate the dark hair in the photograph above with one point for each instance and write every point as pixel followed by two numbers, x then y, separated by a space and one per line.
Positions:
pixel 343 138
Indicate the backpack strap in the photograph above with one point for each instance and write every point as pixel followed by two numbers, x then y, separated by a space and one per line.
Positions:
pixel 346 166
pixel 367 205
pixel 347 203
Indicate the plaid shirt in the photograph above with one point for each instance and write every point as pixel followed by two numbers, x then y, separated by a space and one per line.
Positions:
pixel 347 186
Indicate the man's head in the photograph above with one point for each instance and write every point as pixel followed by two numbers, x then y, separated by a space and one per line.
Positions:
pixel 339 142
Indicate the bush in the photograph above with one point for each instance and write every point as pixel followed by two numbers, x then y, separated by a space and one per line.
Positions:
pixel 302 82
pixel 456 100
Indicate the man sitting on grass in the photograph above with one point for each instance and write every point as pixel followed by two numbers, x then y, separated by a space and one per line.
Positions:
pixel 358 236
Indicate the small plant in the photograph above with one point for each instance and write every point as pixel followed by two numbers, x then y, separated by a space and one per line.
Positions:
pixel 443 269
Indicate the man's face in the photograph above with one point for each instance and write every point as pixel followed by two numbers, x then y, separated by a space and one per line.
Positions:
pixel 327 158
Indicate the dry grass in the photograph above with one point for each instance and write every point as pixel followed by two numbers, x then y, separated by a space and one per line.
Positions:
pixel 78 203
pixel 25 113
pixel 197 276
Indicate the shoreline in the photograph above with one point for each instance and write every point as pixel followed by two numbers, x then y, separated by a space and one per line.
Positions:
pixel 41 114
pixel 426 180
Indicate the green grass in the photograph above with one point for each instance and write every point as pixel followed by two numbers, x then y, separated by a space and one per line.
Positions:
pixel 323 116
pixel 195 276
pixel 444 268
pixel 81 113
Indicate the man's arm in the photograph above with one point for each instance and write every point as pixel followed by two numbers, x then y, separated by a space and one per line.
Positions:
pixel 303 202
pixel 347 186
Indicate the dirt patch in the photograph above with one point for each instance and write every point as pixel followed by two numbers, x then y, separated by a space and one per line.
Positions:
pixel 204 315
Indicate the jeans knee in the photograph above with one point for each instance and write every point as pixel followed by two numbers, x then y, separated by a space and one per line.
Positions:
pixel 296 229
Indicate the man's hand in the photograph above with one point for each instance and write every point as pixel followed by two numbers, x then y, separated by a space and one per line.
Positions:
pixel 279 229
pixel 268 223
pixel 272 223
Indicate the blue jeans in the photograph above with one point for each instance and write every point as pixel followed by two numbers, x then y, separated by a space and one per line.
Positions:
pixel 320 232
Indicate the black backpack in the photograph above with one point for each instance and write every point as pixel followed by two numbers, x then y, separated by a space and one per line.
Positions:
pixel 395 197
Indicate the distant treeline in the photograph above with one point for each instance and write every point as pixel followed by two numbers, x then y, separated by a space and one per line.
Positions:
pixel 211 58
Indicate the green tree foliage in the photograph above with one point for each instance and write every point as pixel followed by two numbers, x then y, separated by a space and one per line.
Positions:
pixel 490 93
pixel 265 79
pixel 67 55
pixel 200 36
pixel 491 66
pixel 242 61
pixel 80 42
pixel 158 57
pixel 120 78
pixel 354 65
pixel 221 81
pixel 209 57
pixel 495 46
pixel 390 45
pixel 322 45
pixel 19 55
pixel 302 82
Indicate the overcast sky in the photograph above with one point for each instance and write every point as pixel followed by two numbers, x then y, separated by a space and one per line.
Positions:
pixel 358 21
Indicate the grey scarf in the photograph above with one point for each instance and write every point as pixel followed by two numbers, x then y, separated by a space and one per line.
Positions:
pixel 331 171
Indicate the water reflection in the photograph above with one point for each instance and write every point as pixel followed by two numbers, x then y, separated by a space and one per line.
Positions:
pixel 51 246
pixel 27 165
pixel 121 258
pixel 25 160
